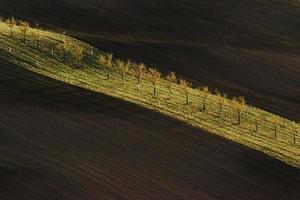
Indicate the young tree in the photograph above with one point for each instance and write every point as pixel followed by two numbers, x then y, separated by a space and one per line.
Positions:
pixel 65 47
pixel 238 104
pixel 140 71
pixel 52 45
pixel 204 95
pixel 106 60
pixel 11 23
pixel 78 52
pixel 24 27
pixel 36 35
pixel 257 118
pixel 275 120
pixel 154 78
pixel 185 88
pixel 123 68
pixel 37 58
pixel 295 130
pixel 171 79
pixel 221 99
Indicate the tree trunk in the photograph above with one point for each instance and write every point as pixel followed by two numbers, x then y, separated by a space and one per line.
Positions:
pixel 203 104
pixel 138 86
pixel 122 77
pixel 238 117
pixel 256 126
pixel 108 75
pixel 220 111
pixel 186 98
pixel 154 88
pixel 64 56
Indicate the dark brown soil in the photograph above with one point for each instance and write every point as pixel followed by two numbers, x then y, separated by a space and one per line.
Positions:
pixel 62 142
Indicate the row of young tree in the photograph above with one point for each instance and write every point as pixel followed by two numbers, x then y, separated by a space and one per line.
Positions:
pixel 69 48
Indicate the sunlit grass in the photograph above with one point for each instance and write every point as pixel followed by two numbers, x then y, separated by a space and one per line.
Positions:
pixel 92 76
